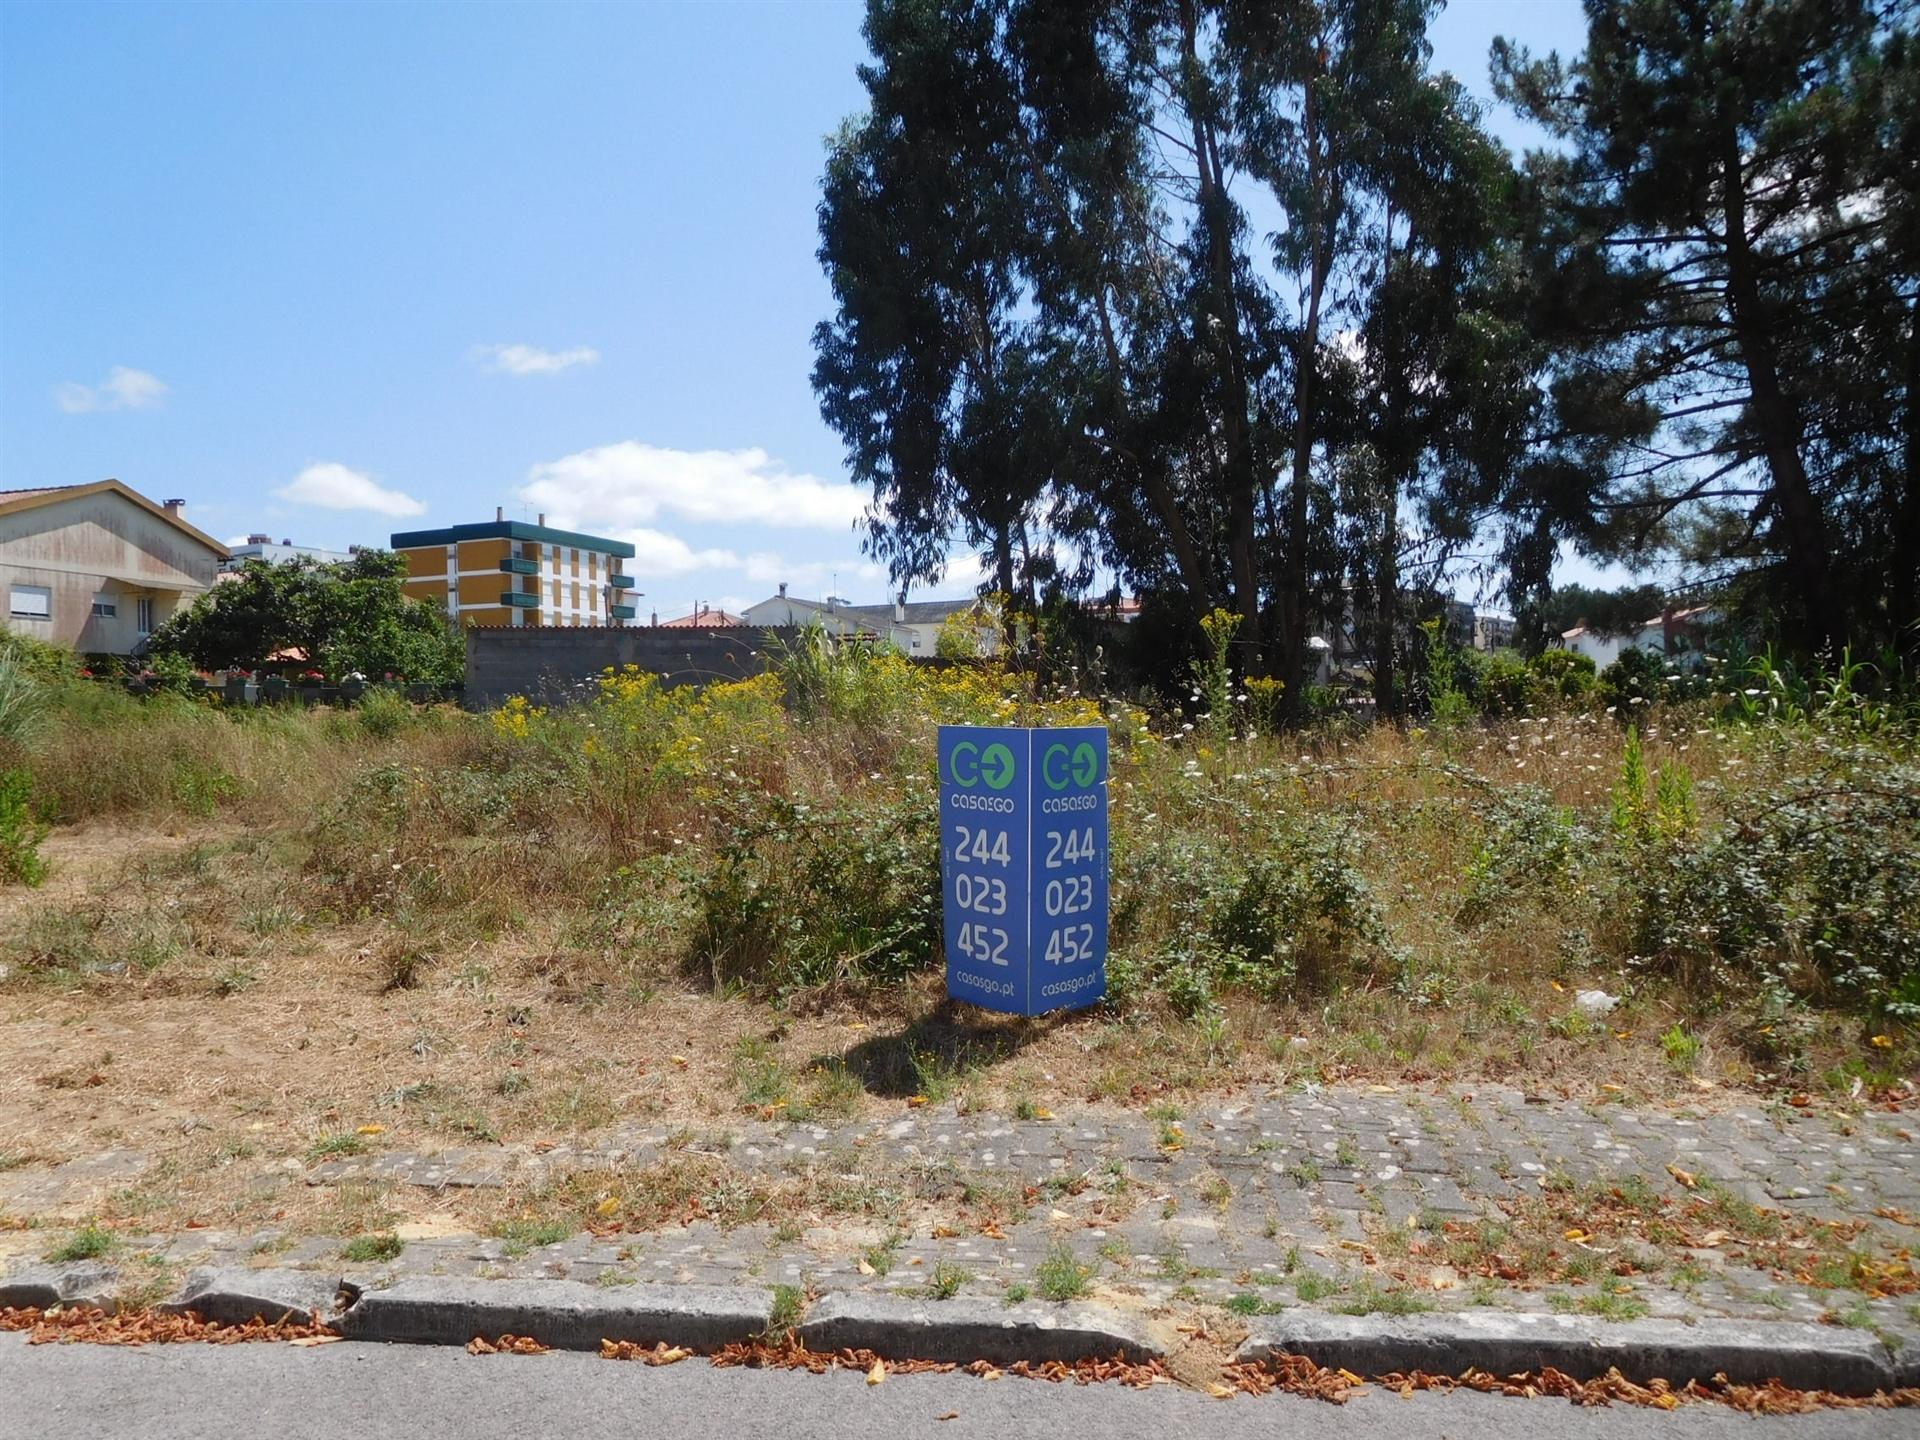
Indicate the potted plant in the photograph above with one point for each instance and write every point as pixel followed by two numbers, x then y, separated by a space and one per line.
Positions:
pixel 274 689
pixel 353 686
pixel 233 685
pixel 310 683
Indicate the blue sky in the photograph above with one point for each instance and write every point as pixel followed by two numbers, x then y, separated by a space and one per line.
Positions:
pixel 329 271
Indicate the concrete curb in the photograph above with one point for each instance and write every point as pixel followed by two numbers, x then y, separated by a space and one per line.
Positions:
pixel 564 1314
pixel 45 1286
pixel 1806 1357
pixel 233 1296
pixel 962 1330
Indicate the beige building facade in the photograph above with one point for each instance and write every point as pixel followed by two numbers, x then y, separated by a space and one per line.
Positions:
pixel 97 567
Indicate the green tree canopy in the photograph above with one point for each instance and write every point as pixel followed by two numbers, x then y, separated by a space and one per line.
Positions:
pixel 349 617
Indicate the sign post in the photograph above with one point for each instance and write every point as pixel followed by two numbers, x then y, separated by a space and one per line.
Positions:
pixel 1023 868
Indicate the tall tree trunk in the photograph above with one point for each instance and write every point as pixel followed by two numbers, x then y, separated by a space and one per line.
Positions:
pixel 1904 593
pixel 1293 580
pixel 1386 583
pixel 1235 393
pixel 1800 521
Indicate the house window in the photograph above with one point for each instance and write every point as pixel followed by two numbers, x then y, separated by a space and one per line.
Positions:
pixel 105 607
pixel 31 602
pixel 143 614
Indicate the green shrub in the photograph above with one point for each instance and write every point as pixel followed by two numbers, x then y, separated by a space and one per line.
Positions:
pixel 798 896
pixel 1807 889
pixel 20 831
pixel 384 713
pixel 1531 850
pixel 36 657
pixel 1281 906
pixel 1566 674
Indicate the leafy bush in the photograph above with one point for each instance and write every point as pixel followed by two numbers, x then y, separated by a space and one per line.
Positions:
pixel 1809 889
pixel 20 830
pixel 1566 674
pixel 1531 850
pixel 1280 908
pixel 799 897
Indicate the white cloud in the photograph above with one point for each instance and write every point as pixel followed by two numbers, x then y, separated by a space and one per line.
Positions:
pixel 616 487
pixel 332 486
pixel 965 573
pixel 123 389
pixel 657 553
pixel 532 360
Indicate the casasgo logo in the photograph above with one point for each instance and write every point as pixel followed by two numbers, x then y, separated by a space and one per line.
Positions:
pixel 970 766
pixel 1058 766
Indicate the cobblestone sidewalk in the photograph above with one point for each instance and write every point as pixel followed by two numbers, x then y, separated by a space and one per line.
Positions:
pixel 1348 1199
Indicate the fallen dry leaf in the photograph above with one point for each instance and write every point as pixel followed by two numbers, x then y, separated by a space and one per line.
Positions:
pixel 950 1415
pixel 1221 1392
pixel 1685 1177
pixel 877 1373
pixel 375 1129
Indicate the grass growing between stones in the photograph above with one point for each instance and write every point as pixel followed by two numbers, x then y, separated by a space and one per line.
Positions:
pixel 1063 1276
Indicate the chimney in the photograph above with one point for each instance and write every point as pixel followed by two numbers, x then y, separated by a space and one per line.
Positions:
pixel 259 539
pixel 783 589
pixel 543 517
pixel 499 512
pixel 900 608
pixel 175 508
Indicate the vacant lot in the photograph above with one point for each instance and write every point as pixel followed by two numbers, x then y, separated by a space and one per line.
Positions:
pixel 264 940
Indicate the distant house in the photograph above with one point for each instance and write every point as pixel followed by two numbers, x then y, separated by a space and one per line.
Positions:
pixel 912 627
pixel 263 547
pixel 97 567
pixel 1679 635
pixel 703 618
pixel 507 572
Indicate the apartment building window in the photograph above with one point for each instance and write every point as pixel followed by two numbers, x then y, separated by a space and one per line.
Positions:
pixel 105 607
pixel 30 602
pixel 143 614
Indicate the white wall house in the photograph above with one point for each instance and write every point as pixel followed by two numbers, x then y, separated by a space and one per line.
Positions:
pixel 912 627
pixel 1676 634
pixel 97 567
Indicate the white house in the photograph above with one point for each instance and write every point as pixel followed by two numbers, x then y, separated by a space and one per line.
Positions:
pixel 97 567
pixel 910 626
pixel 1675 634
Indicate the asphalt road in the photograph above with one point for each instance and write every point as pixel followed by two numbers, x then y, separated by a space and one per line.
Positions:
pixel 270 1392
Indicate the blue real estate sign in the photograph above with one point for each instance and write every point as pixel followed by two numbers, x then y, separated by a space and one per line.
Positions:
pixel 1023 839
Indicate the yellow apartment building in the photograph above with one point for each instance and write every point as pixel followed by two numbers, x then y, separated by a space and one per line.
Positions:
pixel 507 572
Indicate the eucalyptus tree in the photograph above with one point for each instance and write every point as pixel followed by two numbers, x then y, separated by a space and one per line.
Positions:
pixel 1726 205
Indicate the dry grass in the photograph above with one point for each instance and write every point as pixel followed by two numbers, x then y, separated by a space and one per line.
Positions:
pixel 439 938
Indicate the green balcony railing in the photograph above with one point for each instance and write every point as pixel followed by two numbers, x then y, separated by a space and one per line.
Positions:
pixel 621 612
pixel 620 582
pixel 514 565
pixel 520 600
